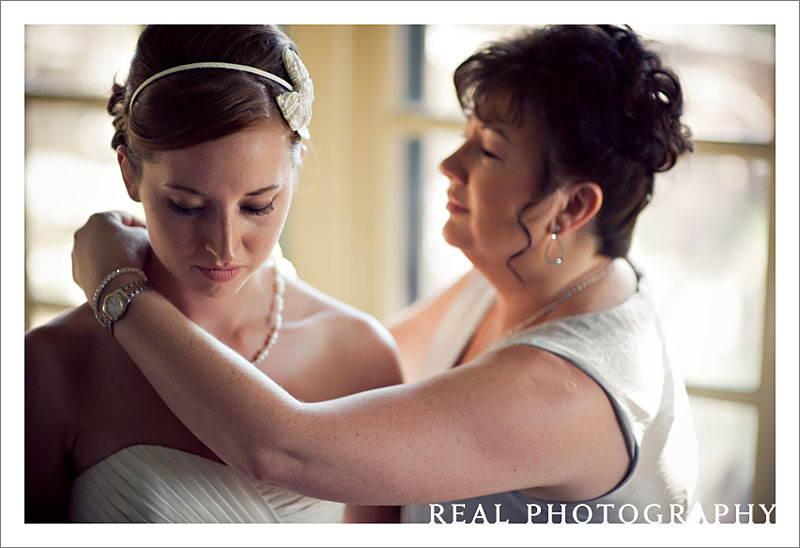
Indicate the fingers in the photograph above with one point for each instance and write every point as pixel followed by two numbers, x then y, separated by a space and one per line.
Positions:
pixel 122 217
pixel 131 220
pixel 106 241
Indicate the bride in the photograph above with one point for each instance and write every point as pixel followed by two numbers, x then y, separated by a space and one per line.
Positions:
pixel 208 136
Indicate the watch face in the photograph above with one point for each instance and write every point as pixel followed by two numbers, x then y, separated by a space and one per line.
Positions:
pixel 114 306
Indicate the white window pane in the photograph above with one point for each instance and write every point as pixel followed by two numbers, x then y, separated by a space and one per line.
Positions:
pixel 446 46
pixel 726 437
pixel 70 173
pixel 703 242
pixel 728 77
pixel 77 60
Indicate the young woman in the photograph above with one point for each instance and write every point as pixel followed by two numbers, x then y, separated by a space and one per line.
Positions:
pixel 208 139
pixel 544 389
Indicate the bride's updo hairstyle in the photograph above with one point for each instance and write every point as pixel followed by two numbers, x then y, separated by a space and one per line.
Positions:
pixel 194 106
pixel 606 109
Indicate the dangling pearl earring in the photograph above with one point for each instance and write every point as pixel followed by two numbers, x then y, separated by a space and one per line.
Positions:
pixel 554 238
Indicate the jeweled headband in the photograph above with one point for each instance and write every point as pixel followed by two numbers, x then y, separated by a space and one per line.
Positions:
pixel 295 104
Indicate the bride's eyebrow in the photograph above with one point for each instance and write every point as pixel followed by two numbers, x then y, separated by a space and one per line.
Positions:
pixel 262 190
pixel 193 191
pixel 184 189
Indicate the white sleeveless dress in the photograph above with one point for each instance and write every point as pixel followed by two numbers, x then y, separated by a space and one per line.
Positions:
pixel 155 484
pixel 623 351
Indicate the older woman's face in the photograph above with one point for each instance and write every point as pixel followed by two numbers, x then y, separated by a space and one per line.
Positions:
pixel 492 174
pixel 216 209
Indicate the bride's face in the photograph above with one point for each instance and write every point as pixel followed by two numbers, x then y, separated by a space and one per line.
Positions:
pixel 216 209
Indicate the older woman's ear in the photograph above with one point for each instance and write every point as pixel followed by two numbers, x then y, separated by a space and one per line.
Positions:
pixel 583 201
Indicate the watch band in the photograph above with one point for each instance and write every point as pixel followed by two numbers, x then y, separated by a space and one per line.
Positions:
pixel 104 283
pixel 120 298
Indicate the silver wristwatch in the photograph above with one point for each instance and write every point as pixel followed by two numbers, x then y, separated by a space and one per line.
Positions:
pixel 115 304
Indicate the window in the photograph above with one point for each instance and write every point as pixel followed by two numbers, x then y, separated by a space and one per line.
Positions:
pixel 68 158
pixel 705 241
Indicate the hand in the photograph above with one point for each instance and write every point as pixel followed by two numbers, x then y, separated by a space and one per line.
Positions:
pixel 107 241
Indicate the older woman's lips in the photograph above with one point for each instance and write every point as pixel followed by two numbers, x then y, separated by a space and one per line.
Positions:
pixel 219 274
pixel 456 207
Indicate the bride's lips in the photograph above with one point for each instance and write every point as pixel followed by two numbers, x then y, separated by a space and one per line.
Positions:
pixel 219 274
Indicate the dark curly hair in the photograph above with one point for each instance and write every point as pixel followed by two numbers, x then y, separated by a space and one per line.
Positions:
pixel 609 109
pixel 195 106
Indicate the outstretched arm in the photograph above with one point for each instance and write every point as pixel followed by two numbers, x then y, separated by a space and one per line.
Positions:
pixel 515 418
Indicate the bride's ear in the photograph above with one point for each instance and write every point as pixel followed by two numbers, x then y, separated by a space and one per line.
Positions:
pixel 128 174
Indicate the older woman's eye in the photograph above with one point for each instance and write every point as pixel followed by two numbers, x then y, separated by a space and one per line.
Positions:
pixel 184 211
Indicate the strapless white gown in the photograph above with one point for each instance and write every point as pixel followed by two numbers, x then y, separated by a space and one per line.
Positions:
pixel 155 484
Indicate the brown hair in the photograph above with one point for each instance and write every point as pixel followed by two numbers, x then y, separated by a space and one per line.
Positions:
pixel 194 106
pixel 608 109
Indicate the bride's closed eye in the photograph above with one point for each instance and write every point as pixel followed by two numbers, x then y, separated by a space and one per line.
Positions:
pixel 260 210
pixel 184 211
pixel 191 211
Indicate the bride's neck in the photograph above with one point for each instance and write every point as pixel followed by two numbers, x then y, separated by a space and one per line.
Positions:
pixel 215 314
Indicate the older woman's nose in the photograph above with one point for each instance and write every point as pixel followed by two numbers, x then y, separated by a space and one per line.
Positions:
pixel 452 168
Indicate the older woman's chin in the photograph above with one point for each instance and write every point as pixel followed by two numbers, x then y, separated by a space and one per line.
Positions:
pixel 455 235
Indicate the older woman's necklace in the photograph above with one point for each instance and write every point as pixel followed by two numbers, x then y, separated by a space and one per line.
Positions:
pixel 275 314
pixel 539 314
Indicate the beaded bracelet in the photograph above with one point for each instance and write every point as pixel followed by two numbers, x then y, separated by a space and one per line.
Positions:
pixel 105 282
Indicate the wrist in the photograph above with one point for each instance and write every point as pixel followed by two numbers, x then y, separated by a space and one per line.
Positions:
pixel 120 281
pixel 115 292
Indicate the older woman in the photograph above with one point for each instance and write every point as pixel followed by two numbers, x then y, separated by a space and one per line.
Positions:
pixel 544 392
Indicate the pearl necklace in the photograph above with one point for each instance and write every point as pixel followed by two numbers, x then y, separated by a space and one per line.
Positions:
pixel 275 314
pixel 577 288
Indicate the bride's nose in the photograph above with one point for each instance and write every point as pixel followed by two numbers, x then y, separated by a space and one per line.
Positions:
pixel 223 238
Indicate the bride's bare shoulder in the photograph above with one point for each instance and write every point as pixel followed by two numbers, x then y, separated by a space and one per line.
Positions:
pixel 358 339
pixel 308 303
pixel 67 337
pixel 59 363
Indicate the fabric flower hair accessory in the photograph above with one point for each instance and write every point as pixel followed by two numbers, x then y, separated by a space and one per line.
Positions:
pixel 296 105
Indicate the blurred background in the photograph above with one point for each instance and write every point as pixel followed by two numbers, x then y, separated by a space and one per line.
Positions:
pixel 365 225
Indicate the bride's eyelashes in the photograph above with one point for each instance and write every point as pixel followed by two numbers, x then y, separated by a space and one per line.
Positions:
pixel 191 211
pixel 262 210
pixel 183 211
